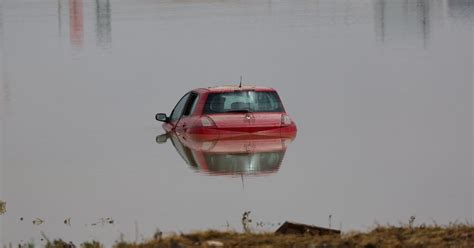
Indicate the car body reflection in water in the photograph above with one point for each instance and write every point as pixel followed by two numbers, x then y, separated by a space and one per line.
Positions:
pixel 247 155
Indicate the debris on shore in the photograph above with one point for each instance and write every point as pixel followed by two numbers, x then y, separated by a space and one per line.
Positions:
pixel 246 221
pixel 298 228
pixel 67 221
pixel 38 221
pixel 103 221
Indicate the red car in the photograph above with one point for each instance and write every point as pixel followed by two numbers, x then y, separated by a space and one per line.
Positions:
pixel 208 113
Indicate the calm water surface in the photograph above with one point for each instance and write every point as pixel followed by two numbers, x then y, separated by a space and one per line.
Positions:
pixel 381 92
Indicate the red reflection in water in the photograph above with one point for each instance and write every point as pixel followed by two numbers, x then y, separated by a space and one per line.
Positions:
pixel 230 155
pixel 76 22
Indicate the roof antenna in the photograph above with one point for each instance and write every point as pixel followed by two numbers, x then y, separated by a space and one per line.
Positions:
pixel 240 85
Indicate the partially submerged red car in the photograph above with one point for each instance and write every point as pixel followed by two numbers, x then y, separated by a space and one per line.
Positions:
pixel 208 113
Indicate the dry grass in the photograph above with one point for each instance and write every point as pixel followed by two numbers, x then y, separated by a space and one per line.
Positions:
pixel 382 236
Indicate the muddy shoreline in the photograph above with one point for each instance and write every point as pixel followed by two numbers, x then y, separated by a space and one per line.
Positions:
pixel 459 235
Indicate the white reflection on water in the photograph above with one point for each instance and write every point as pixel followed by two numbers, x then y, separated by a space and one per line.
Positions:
pixel 387 134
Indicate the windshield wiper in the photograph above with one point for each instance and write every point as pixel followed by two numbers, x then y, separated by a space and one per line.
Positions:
pixel 238 111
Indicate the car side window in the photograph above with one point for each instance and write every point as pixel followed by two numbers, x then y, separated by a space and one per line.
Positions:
pixel 192 102
pixel 178 109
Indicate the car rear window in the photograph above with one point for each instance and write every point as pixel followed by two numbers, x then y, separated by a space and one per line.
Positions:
pixel 243 101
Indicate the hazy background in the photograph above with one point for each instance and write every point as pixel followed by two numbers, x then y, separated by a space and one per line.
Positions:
pixel 381 92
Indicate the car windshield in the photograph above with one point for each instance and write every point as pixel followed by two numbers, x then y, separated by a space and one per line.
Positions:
pixel 243 102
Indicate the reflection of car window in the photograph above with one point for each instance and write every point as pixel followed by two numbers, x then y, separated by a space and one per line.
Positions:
pixel 254 101
pixel 178 109
pixel 244 162
pixel 183 151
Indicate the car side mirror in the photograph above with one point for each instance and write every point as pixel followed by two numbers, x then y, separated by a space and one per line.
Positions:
pixel 160 139
pixel 161 117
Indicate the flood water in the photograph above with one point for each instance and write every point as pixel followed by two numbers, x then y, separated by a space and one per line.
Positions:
pixel 381 91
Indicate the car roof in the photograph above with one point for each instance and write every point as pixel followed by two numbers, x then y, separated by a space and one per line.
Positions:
pixel 230 88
